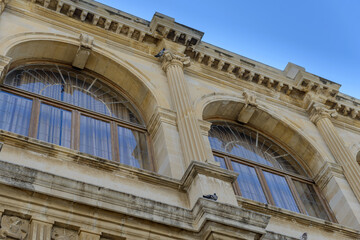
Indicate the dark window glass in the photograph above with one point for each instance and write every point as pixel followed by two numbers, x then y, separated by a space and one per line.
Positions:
pixel 54 125
pixel 132 147
pixel 280 191
pixel 15 113
pixel 221 161
pixel 95 137
pixel 249 183
pixel 310 200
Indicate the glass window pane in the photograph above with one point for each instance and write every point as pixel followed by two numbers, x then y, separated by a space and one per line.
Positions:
pixel 54 125
pixel 95 137
pixel 310 200
pixel 15 113
pixel 133 148
pixel 249 183
pixel 221 161
pixel 280 192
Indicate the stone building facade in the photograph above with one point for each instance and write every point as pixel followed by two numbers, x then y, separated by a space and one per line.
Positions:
pixel 115 127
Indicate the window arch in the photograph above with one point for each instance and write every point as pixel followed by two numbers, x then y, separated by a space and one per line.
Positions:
pixel 267 173
pixel 73 109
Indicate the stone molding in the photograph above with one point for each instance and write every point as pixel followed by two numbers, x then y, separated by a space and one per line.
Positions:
pixel 210 170
pixel 327 171
pixel 91 195
pixel 4 66
pixel 298 217
pixel 205 127
pixel 160 116
pixel 40 230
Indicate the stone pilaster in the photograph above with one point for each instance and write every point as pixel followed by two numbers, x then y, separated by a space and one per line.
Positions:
pixel 88 235
pixel 192 142
pixel 4 65
pixel 3 5
pixel 40 230
pixel 320 116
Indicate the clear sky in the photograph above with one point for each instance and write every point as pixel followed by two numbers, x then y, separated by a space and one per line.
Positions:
pixel 321 35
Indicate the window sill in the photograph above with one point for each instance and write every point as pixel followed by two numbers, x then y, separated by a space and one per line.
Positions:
pixel 297 217
pixel 67 154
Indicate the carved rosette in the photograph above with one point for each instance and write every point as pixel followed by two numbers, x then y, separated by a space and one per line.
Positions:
pixel 318 112
pixel 14 227
pixel 169 58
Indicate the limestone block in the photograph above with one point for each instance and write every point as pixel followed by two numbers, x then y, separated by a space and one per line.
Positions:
pixel 40 230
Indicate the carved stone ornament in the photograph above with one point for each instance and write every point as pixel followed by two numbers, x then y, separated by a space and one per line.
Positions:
pixel 60 233
pixel 169 58
pixel 250 99
pixel 14 227
pixel 84 51
pixel 3 5
pixel 319 111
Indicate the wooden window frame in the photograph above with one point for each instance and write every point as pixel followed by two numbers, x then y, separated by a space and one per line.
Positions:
pixel 76 112
pixel 289 177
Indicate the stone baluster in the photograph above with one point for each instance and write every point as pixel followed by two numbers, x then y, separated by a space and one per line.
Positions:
pixel 40 230
pixel 189 130
pixel 321 116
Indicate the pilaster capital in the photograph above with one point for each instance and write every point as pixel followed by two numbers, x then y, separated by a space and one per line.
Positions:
pixel 4 65
pixel 170 58
pixel 318 111
pixel 3 5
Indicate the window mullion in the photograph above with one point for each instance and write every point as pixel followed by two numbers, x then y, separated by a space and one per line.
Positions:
pixel 75 130
pixel 34 119
pixel 325 204
pixel 296 195
pixel 115 142
pixel 264 185
pixel 230 167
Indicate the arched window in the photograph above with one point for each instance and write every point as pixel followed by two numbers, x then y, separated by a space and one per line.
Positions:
pixel 267 173
pixel 73 109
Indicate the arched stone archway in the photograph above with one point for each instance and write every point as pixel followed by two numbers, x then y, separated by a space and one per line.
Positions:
pixel 24 48
pixel 275 127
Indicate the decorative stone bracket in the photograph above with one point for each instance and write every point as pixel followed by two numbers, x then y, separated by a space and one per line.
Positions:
pixel 248 110
pixel 84 51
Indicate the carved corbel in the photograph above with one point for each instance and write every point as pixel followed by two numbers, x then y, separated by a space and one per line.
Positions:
pixel 107 24
pixel 270 83
pixel 130 32
pixel 241 72
pixel 59 6
pixel 230 68
pixel 4 66
pixel 46 3
pixel 279 86
pixel 249 108
pixel 83 53
pixel 141 37
pixel 3 5
pixel 200 57
pixel 289 90
pixel 83 15
pixel 261 79
pixel 71 11
pixel 220 65
pixel 354 113
pixel 210 61
pixel 95 19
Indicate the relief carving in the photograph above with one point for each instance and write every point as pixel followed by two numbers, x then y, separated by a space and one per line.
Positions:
pixel 3 5
pixel 169 58
pixel 84 51
pixel 59 233
pixel 318 112
pixel 14 227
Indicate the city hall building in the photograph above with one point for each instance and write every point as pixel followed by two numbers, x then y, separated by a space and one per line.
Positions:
pixel 113 127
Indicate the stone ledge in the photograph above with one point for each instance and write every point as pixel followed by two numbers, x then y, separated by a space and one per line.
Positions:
pixel 191 220
pixel 300 218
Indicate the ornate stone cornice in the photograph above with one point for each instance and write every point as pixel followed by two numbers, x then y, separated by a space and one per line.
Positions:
pixel 170 58
pixel 318 111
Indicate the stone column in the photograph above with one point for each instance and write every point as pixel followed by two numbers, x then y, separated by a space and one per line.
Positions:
pixel 40 230
pixel 4 65
pixel 320 116
pixel 191 140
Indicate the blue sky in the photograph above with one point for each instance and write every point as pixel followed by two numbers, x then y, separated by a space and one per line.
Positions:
pixel 321 35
